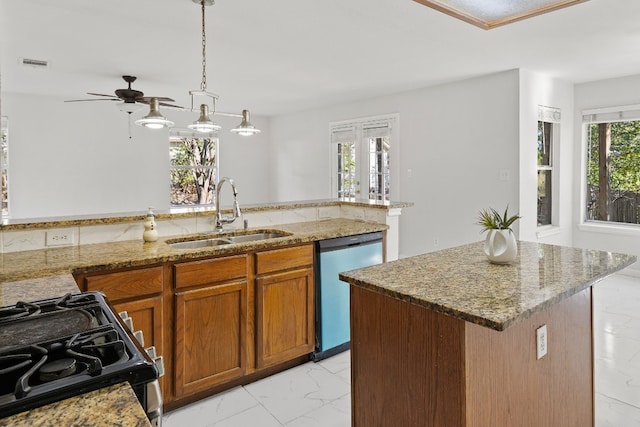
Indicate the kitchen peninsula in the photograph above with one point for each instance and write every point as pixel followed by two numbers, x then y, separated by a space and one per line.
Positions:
pixel 449 339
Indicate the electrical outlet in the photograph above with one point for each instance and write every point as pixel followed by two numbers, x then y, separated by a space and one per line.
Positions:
pixel 436 242
pixel 504 175
pixel 61 237
pixel 541 341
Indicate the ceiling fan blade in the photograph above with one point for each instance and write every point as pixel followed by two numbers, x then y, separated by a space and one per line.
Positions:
pixel 146 99
pixel 102 94
pixel 163 104
pixel 83 100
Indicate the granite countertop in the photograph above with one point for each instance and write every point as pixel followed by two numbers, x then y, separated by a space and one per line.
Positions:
pixel 18 266
pixel 462 283
pixel 116 405
pixel 205 211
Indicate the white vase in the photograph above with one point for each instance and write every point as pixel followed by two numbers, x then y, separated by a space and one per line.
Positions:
pixel 500 246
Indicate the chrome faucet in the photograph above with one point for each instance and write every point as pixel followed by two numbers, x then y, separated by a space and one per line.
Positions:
pixel 220 219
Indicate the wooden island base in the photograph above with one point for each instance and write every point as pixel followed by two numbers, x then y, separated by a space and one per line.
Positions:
pixel 412 366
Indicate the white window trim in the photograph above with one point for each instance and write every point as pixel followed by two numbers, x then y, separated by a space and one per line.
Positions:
pixel 394 173
pixel 552 115
pixel 589 116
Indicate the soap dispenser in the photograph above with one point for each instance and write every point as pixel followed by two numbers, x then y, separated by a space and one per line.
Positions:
pixel 150 233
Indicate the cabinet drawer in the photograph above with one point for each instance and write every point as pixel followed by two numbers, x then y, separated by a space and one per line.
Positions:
pixel 210 271
pixel 127 284
pixel 284 259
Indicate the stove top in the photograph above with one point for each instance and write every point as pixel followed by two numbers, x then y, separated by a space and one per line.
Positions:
pixel 58 348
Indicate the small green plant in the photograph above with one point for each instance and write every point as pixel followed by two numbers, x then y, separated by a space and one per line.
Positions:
pixel 490 219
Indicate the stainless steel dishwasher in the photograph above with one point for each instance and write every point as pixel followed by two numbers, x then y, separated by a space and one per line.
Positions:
pixel 332 295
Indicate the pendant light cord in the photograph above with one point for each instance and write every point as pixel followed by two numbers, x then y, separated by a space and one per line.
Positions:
pixel 203 84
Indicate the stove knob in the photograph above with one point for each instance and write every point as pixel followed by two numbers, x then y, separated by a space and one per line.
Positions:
pixel 160 365
pixel 127 320
pixel 151 351
pixel 140 337
pixel 158 360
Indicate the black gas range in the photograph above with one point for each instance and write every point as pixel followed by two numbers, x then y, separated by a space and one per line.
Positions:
pixel 57 348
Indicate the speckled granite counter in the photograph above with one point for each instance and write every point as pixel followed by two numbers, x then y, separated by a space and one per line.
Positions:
pixel 111 406
pixel 461 282
pixel 16 266
pixel 125 217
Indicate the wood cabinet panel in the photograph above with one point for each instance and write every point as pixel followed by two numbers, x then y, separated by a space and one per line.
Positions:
pixel 284 259
pixel 126 284
pixel 285 316
pixel 210 271
pixel 210 336
pixel 147 317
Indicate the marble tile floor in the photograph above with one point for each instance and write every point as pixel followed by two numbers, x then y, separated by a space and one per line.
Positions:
pixel 318 394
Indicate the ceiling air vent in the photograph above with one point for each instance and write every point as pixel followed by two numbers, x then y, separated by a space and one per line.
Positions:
pixel 37 63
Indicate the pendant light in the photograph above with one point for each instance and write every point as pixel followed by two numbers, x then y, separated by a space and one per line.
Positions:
pixel 205 123
pixel 154 120
pixel 245 128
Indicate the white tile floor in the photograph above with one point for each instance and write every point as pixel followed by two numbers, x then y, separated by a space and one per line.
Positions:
pixel 617 351
pixel 318 394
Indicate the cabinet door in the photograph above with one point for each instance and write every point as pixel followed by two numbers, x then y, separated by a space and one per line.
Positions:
pixel 210 332
pixel 146 315
pixel 139 293
pixel 284 316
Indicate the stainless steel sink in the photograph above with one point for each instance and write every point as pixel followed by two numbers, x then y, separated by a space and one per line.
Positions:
pixel 221 240
pixel 254 236
pixel 201 243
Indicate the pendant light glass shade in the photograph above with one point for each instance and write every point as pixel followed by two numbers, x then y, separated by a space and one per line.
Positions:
pixel 245 128
pixel 204 123
pixel 154 120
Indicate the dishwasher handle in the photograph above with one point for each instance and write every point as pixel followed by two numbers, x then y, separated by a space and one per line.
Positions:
pixel 348 241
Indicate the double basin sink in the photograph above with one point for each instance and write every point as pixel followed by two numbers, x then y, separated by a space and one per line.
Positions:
pixel 220 240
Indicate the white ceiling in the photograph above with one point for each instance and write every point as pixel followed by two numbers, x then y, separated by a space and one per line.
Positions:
pixel 280 56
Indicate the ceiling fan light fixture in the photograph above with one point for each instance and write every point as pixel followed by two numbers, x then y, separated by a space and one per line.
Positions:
pixel 128 107
pixel 204 123
pixel 154 120
pixel 245 128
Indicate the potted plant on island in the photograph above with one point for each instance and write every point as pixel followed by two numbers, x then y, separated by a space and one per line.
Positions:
pixel 500 245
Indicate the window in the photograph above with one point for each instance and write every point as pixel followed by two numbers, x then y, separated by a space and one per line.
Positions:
pixel 613 164
pixel 193 170
pixel 548 129
pixel 362 157
pixel 4 162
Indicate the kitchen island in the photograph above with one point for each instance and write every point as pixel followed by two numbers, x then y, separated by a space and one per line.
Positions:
pixel 449 339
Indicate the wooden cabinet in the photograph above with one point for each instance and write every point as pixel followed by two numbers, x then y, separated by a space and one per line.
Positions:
pixel 210 323
pixel 284 305
pixel 218 322
pixel 139 293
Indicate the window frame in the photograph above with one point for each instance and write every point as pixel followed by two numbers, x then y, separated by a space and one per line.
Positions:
pixel 362 154
pixel 613 114
pixel 551 115
pixel 181 135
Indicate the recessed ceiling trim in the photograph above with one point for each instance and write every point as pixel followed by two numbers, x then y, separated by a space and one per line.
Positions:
pixel 513 10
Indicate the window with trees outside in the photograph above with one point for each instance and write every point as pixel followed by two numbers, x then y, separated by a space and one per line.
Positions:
pixel 4 162
pixel 193 170
pixel 361 158
pixel 613 164
pixel 548 130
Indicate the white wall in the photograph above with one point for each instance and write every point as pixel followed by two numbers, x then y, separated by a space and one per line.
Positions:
pixel 455 138
pixel 78 158
pixel 539 90
pixel 604 93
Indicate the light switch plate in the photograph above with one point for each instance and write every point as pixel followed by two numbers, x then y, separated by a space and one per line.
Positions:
pixel 541 341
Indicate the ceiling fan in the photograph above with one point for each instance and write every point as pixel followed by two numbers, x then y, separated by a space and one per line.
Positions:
pixel 128 96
